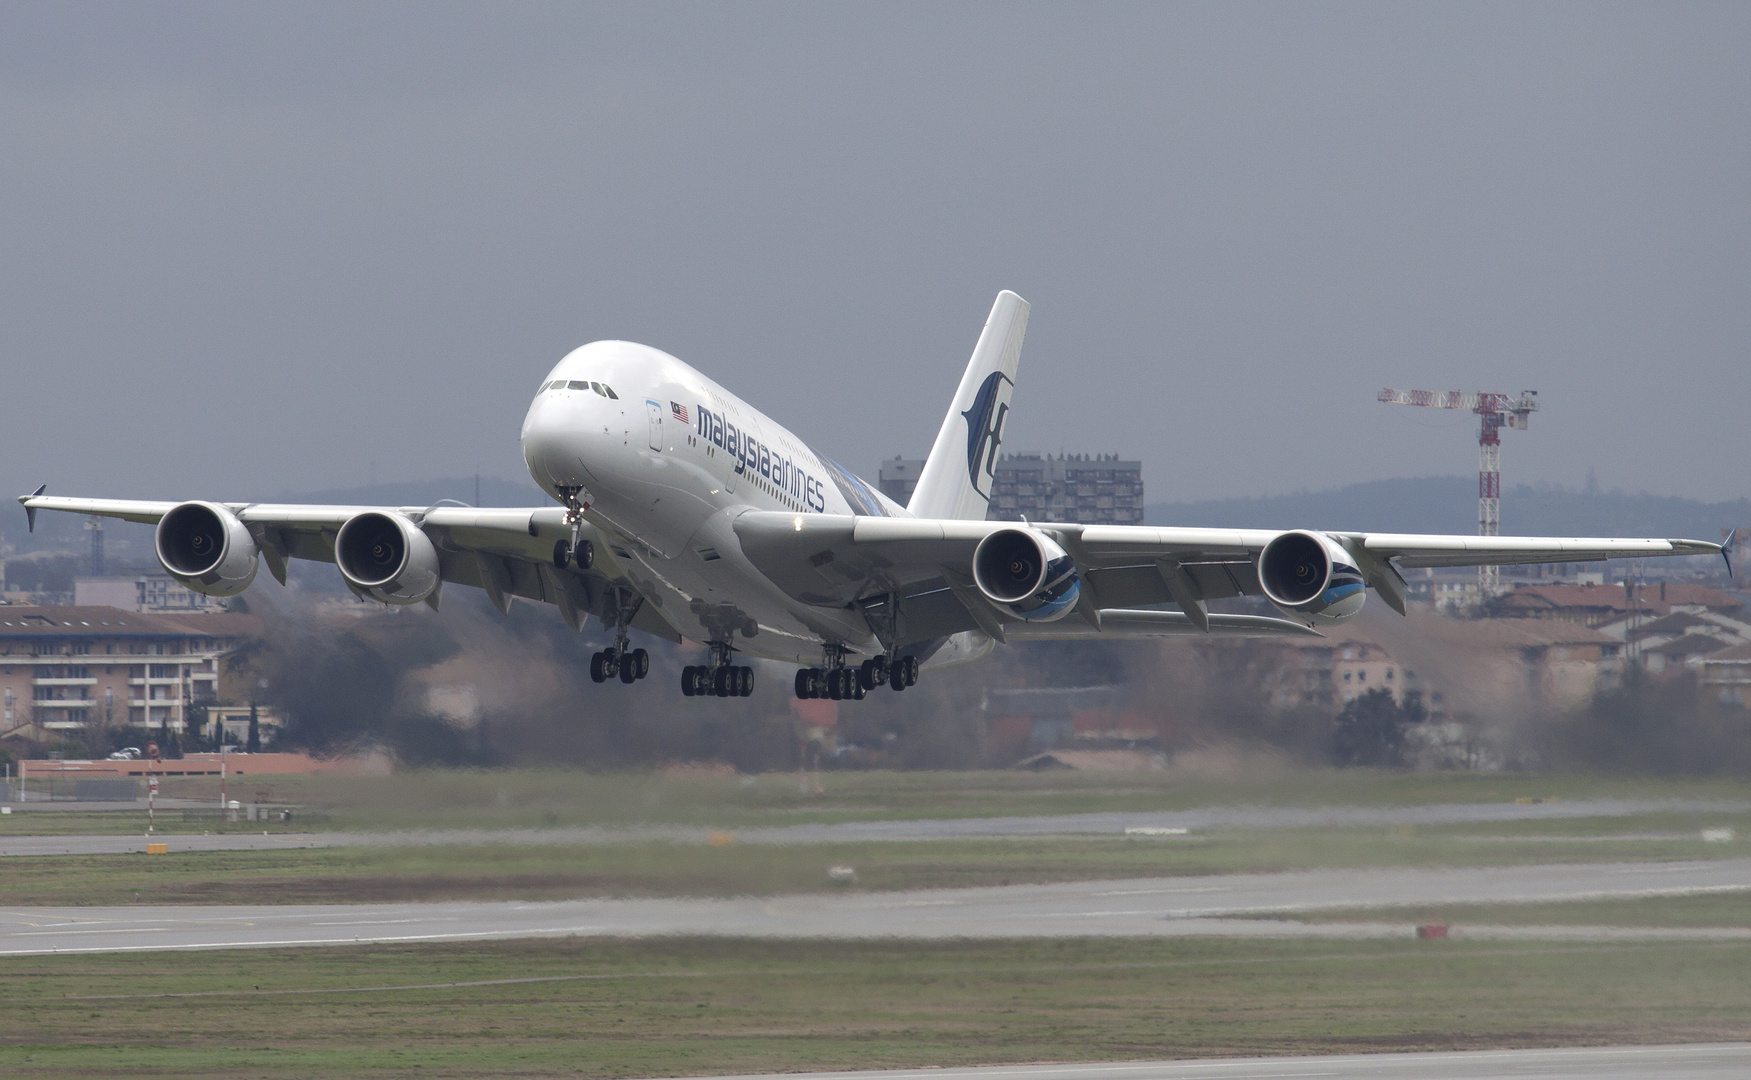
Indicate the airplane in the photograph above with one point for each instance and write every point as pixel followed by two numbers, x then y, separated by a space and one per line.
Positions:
pixel 685 513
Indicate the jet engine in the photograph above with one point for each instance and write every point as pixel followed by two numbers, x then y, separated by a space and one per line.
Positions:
pixel 387 557
pixel 1311 578
pixel 1026 574
pixel 205 547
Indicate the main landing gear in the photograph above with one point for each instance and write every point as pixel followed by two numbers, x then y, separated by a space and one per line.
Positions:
pixel 617 659
pixel 719 678
pixel 842 683
pixel 630 665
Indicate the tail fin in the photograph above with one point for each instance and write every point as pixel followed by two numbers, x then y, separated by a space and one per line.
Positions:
pixel 956 481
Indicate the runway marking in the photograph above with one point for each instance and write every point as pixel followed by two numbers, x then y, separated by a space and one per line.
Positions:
pixel 1153 892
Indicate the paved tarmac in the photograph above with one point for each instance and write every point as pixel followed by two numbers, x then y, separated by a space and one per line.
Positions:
pixel 1217 817
pixel 1711 1062
pixel 1144 907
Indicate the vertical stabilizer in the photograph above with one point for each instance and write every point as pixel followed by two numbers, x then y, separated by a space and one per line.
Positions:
pixel 956 481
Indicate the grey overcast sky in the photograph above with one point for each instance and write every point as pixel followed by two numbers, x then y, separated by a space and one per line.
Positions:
pixel 252 248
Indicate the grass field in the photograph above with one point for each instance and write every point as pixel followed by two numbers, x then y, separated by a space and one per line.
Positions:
pixel 528 798
pixel 691 1006
pixel 504 871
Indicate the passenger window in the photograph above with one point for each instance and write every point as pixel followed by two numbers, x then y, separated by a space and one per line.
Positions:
pixel 578 384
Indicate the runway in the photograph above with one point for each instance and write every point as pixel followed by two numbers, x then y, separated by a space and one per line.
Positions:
pixel 1706 1062
pixel 1203 906
pixel 1110 824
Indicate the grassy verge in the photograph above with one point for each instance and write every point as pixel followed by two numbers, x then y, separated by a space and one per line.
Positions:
pixel 533 798
pixel 678 1006
pixel 548 872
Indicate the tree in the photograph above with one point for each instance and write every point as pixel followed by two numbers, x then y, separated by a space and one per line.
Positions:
pixel 1371 729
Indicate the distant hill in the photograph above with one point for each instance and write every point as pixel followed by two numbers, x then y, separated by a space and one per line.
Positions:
pixel 1448 504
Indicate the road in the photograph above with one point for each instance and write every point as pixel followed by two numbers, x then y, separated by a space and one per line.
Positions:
pixel 1215 905
pixel 1712 1062
pixel 1218 817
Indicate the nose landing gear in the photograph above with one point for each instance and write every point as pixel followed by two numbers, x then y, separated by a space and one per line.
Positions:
pixel 577 549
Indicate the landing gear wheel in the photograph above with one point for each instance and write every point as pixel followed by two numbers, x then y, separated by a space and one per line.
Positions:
pixel 720 682
pixel 911 668
pixel 641 663
pixel 803 684
pixel 687 680
pixel 598 670
pixel 866 679
pixel 855 691
pixel 747 681
pixel 897 675
pixel 562 551
pixel 584 555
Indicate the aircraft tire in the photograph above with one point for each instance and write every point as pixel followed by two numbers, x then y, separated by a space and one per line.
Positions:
pixel 897 675
pixel 747 681
pixel 911 671
pixel 585 555
pixel 561 554
pixel 641 663
pixel 687 681
pixel 803 684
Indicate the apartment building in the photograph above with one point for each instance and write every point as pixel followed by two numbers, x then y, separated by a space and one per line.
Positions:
pixel 1090 488
pixel 63 668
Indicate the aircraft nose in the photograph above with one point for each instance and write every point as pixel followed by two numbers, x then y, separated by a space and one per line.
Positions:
pixel 563 438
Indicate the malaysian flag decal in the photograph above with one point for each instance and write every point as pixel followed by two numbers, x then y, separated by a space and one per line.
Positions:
pixel 680 411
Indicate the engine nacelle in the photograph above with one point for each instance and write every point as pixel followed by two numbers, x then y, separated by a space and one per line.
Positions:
pixel 1311 578
pixel 1026 574
pixel 387 557
pixel 205 547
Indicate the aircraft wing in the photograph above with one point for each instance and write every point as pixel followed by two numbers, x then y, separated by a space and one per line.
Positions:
pixel 823 559
pixel 506 552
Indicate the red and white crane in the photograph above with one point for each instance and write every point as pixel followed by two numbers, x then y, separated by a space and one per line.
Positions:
pixel 1496 410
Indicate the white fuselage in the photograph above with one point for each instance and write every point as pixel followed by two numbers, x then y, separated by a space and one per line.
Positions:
pixel 663 466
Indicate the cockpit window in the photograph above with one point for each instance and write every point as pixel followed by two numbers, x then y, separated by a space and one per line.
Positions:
pixel 611 392
pixel 578 384
pixel 597 387
pixel 557 384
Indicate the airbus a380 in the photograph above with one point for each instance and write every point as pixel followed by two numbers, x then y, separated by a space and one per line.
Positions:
pixel 684 512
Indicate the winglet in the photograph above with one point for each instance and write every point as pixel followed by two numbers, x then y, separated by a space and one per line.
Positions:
pixel 30 511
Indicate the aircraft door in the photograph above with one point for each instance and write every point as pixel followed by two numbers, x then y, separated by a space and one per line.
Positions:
pixel 654 414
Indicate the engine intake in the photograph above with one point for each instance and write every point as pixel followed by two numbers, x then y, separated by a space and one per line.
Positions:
pixel 1026 574
pixel 1311 577
pixel 387 557
pixel 206 548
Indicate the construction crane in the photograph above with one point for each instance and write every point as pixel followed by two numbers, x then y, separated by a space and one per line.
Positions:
pixel 1496 410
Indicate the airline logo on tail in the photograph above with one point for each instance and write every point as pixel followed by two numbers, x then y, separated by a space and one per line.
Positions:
pixel 985 432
